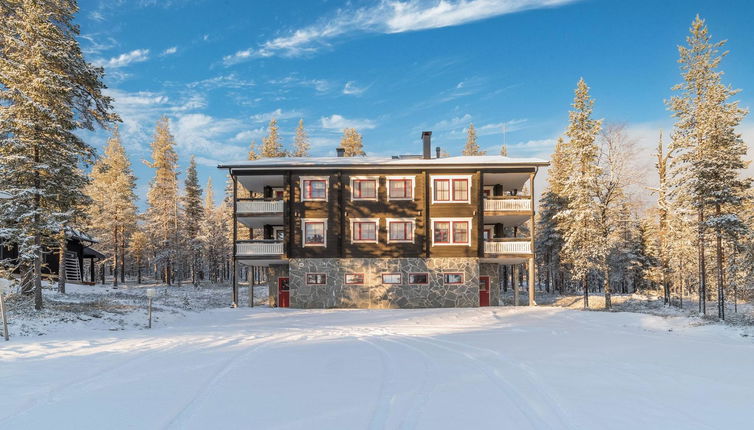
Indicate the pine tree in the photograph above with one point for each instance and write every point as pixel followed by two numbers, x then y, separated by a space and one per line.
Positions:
pixel 582 248
pixel 47 92
pixel 504 150
pixel 707 168
pixel 254 151
pixel 271 145
pixel 193 213
pixel 139 247
pixel 162 200
pixel 352 143
pixel 301 142
pixel 663 209
pixel 213 235
pixel 472 148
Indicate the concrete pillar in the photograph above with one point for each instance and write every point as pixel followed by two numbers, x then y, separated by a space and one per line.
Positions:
pixel 532 302
pixel 514 284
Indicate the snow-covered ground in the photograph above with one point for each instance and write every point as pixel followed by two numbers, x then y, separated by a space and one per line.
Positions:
pixel 522 368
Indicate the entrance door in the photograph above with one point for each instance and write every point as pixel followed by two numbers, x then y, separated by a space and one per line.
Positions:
pixel 283 293
pixel 484 291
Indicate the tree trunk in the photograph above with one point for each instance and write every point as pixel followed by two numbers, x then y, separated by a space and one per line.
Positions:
pixel 720 280
pixel 585 283
pixel 61 264
pixel 123 258
pixel 37 238
pixel 138 272
pixel 608 297
pixel 702 268
pixel 115 257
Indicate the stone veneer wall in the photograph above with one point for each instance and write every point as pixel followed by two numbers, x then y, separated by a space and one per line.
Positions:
pixel 373 294
pixel 275 271
pixel 493 271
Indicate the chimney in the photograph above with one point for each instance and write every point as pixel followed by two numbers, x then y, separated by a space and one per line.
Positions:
pixel 340 151
pixel 437 151
pixel 427 141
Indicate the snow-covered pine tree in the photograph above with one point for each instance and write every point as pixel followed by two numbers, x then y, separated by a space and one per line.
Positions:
pixel 254 151
pixel 579 222
pixel 709 162
pixel 112 212
pixel 213 235
pixel 138 247
pixel 301 141
pixel 472 147
pixel 47 92
pixel 663 207
pixel 162 199
pixel 271 145
pixel 352 143
pixel 193 213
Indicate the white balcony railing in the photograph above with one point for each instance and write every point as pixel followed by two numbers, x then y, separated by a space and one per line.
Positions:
pixel 250 249
pixel 260 206
pixel 507 205
pixel 507 247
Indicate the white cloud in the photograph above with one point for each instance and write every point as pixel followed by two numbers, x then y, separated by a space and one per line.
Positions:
pixel 387 17
pixel 448 124
pixel 350 88
pixel 499 127
pixel 278 114
pixel 223 81
pixel 338 122
pixel 170 51
pixel 319 85
pixel 122 60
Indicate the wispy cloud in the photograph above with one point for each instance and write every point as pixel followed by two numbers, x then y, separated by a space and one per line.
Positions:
pixel 278 114
pixel 338 122
pixel 319 85
pixel 223 81
pixel 122 60
pixel 170 51
pixel 387 17
pixel 350 88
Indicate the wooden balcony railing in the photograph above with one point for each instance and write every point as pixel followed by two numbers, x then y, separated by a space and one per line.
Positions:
pixel 260 206
pixel 252 248
pixel 509 246
pixel 507 204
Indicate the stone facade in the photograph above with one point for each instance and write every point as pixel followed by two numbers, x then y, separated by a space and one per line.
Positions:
pixel 335 293
pixel 493 271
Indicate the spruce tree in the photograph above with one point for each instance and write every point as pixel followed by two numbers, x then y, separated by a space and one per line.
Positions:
pixel 352 143
pixel 162 199
pixel 47 92
pixel 472 148
pixel 193 213
pixel 301 141
pixel 213 234
pixel 271 145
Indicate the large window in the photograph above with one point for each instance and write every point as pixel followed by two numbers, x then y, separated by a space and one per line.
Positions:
pixel 315 232
pixel 364 188
pixel 400 230
pixel 316 278
pixel 452 278
pixel 313 188
pixel 391 278
pixel 364 230
pixel 418 278
pixel 451 189
pixel 451 231
pixel 400 188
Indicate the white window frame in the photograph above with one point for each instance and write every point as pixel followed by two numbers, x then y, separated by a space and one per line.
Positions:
pixel 376 180
pixel 408 278
pixel 303 231
pixel 401 178
pixel 306 278
pixel 302 188
pixel 463 278
pixel 375 221
pixel 363 278
pixel 413 229
pixel 400 278
pixel 451 221
pixel 450 179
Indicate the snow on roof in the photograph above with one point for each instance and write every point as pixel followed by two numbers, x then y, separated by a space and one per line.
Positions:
pixel 4 195
pixel 72 233
pixel 475 160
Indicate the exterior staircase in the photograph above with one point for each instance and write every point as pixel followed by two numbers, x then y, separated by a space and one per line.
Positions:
pixel 72 269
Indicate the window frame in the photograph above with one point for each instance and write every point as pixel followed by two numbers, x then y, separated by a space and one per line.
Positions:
pixel 412 187
pixel 491 229
pixel 324 278
pixel 451 235
pixel 400 278
pixel 375 179
pixel 412 221
pixel 451 180
pixel 418 283
pixel 375 221
pixel 306 221
pixel 303 188
pixel 346 275
pixel 444 274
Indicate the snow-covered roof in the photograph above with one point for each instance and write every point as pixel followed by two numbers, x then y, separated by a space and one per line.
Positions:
pixel 356 162
pixel 72 233
pixel 4 195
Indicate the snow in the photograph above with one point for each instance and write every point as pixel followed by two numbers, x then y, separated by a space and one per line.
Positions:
pixel 461 161
pixel 523 368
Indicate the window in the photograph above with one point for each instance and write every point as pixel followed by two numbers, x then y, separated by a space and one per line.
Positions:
pixel 313 188
pixel 400 230
pixel 315 232
pixel 364 188
pixel 452 278
pixel 488 190
pixel 391 278
pixel 278 233
pixel 418 278
pixel 451 189
pixel 316 278
pixel 451 231
pixel 354 279
pixel 364 230
pixel 400 188
pixel 488 232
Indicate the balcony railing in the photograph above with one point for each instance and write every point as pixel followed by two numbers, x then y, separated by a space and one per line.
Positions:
pixel 252 248
pixel 508 204
pixel 260 206
pixel 511 246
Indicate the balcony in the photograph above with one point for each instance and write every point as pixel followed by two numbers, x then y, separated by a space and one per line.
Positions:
pixel 259 248
pixel 507 246
pixel 260 207
pixel 507 204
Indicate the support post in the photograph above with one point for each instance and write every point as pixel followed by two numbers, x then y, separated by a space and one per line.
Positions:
pixel 532 278
pixel 514 284
pixel 149 312
pixel 234 276
pixel 5 317
pixel 251 287
pixel 532 302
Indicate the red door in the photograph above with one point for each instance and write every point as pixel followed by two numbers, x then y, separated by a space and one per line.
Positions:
pixel 283 293
pixel 484 291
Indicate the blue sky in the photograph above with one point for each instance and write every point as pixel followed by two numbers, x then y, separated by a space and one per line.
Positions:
pixel 221 69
